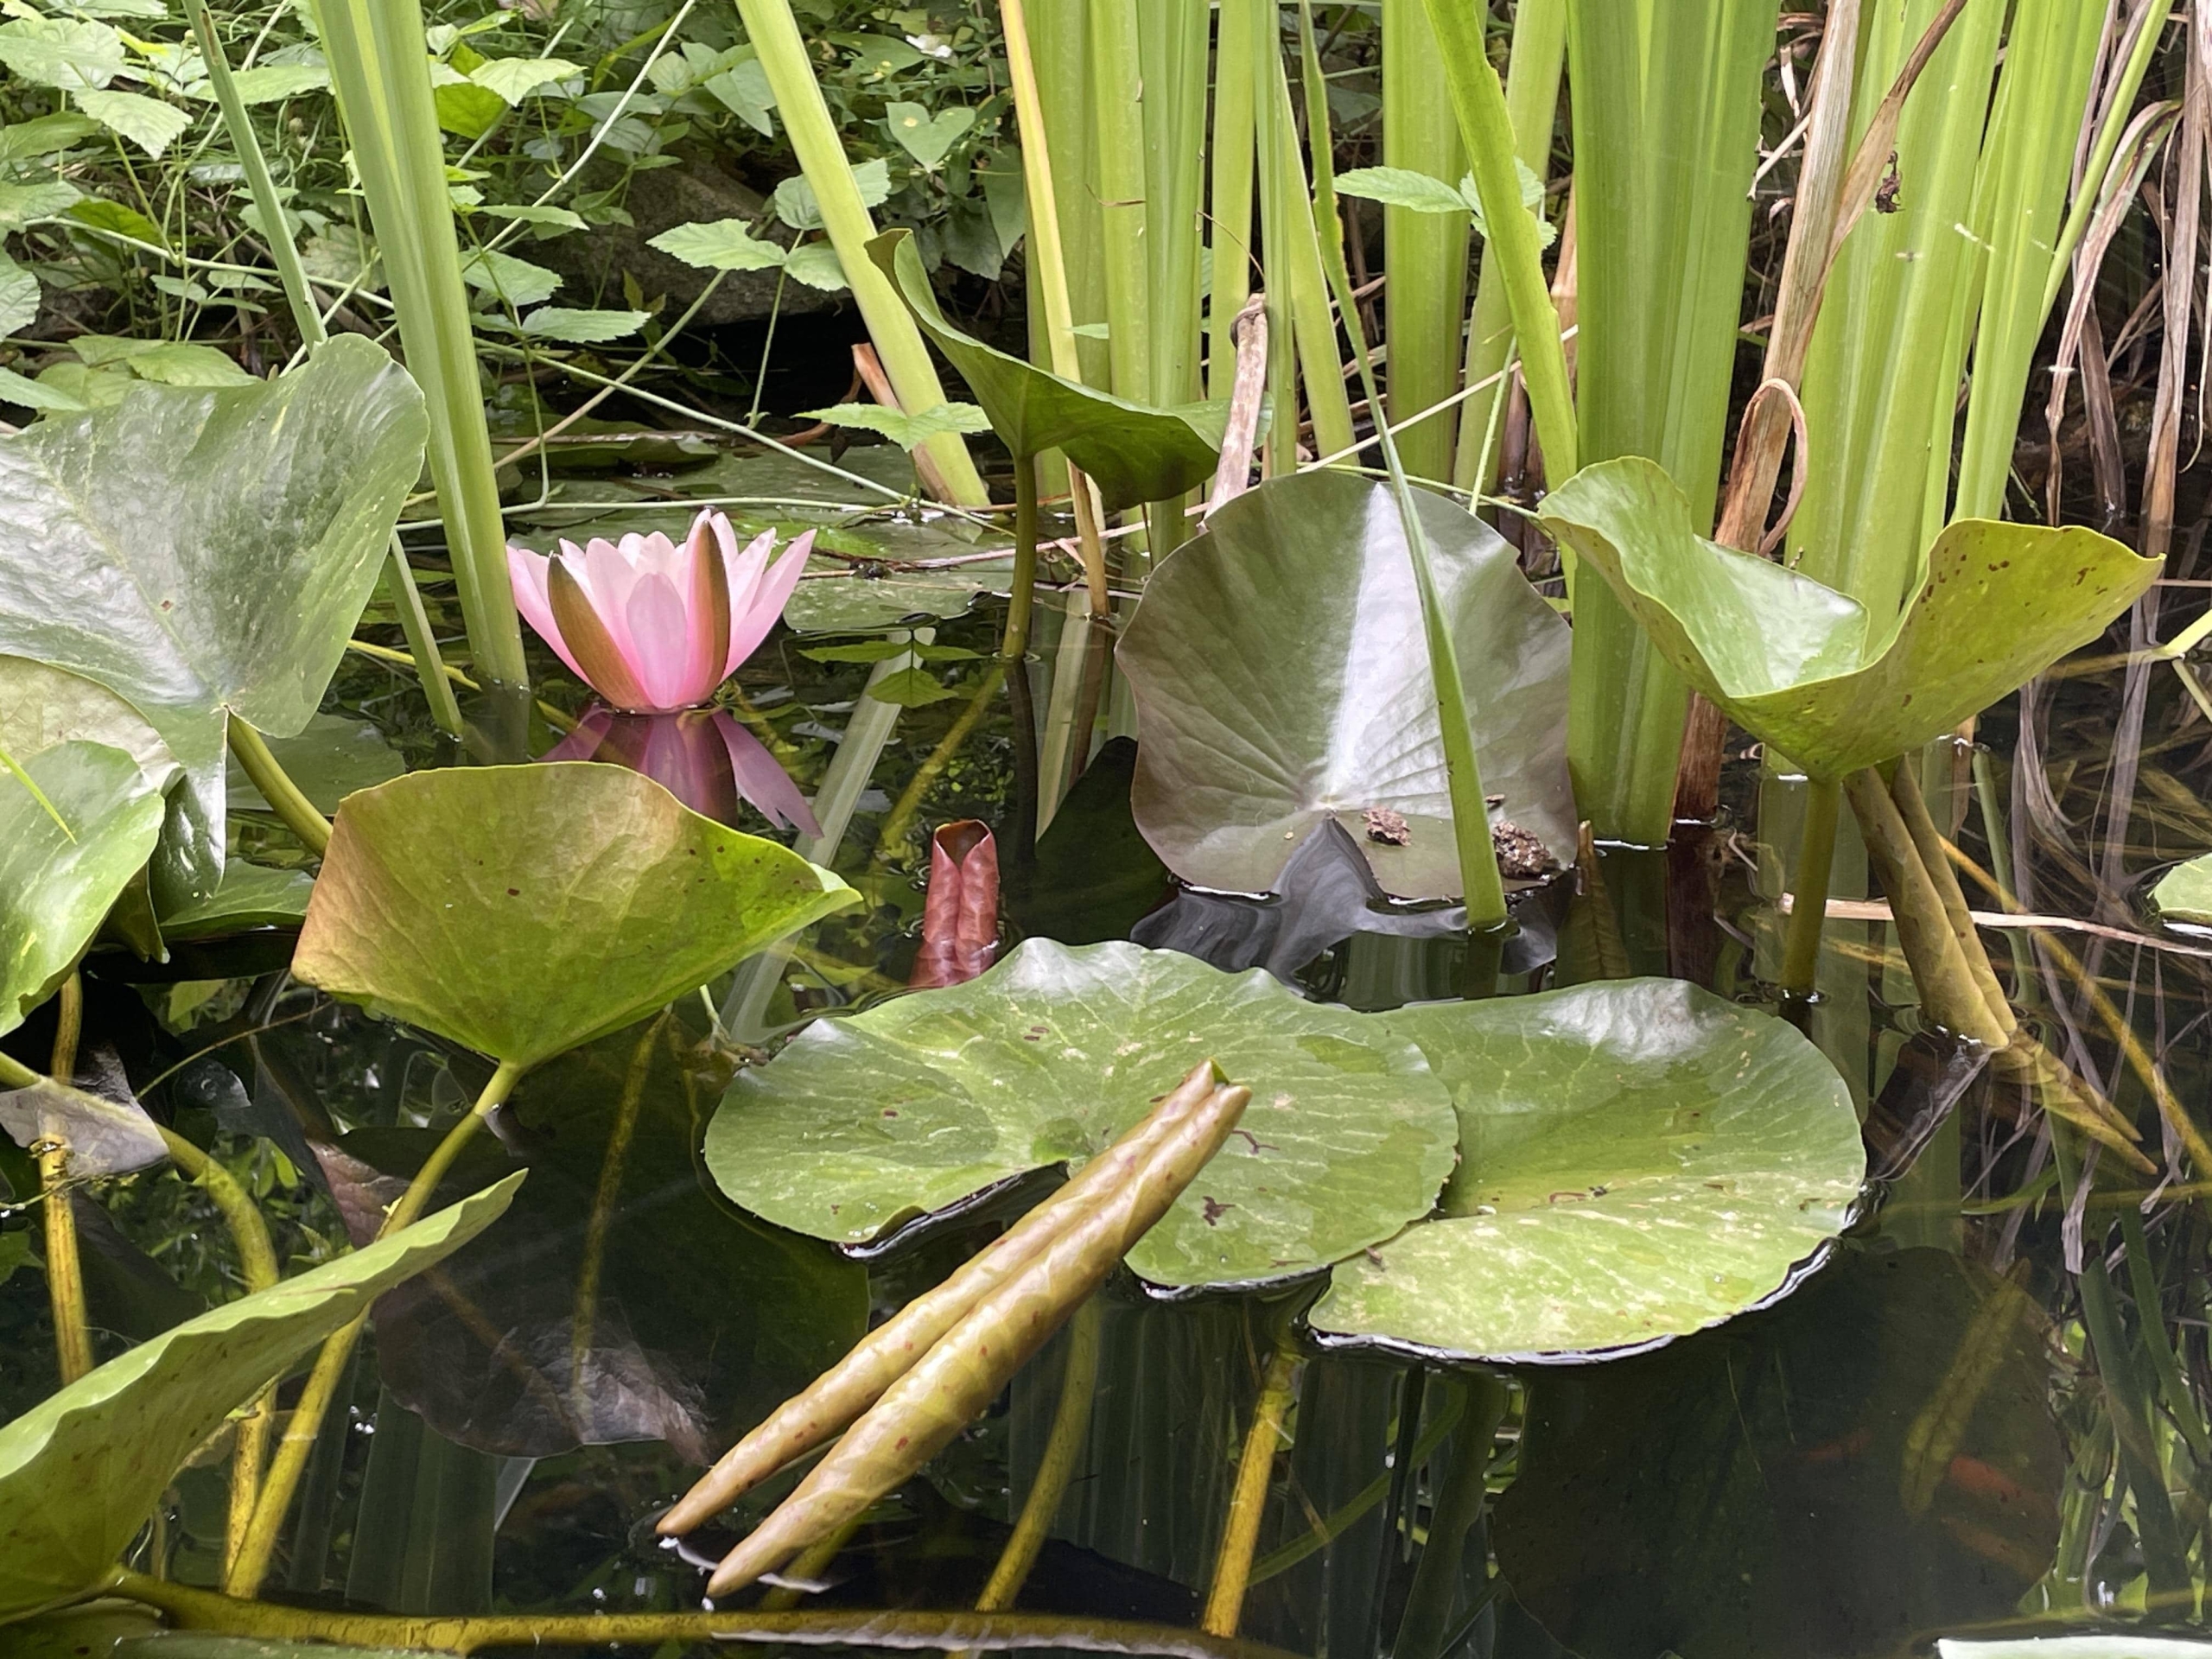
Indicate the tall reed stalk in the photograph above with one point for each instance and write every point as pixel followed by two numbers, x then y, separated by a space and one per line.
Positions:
pixel 1173 62
pixel 379 68
pixel 775 37
pixel 1424 301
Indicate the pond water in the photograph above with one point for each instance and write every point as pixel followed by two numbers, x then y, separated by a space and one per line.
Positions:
pixel 1916 1442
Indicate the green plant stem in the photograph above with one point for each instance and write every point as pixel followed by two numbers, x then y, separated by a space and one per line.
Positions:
pixel 892 836
pixel 1296 264
pixel 1482 885
pixel 1457 1507
pixel 283 795
pixel 775 37
pixel 2150 30
pixel 1486 128
pixel 1424 302
pixel 1118 179
pixel 422 644
pixel 1014 645
pixel 276 228
pixel 1948 993
pixel 1532 76
pixel 1063 1448
pixel 257 1270
pixel 1808 904
pixel 600 1221
pixel 1248 1502
pixel 1912 808
pixel 1236 49
pixel 807 1568
pixel 1172 64
pixel 2158 1344
pixel 204 1610
pixel 379 68
pixel 65 1274
pixel 251 1564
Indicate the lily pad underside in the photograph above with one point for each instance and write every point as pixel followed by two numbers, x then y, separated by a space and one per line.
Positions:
pixel 1805 668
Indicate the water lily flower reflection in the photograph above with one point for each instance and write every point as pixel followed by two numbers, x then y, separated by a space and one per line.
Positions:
pixel 651 626
pixel 701 756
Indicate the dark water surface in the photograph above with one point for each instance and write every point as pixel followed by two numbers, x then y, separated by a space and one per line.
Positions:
pixel 1920 1441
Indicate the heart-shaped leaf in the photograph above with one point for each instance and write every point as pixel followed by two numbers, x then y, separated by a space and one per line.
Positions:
pixel 1244 746
pixel 206 553
pixel 1805 668
pixel 1134 454
pixel 1638 1159
pixel 1048 1058
pixel 925 137
pixel 251 895
pixel 81 1470
pixel 526 910
pixel 57 884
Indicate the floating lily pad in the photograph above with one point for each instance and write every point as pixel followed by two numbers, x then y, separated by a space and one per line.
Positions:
pixel 330 757
pixel 57 885
pixel 854 602
pixel 526 910
pixel 1244 745
pixel 206 553
pixel 251 895
pixel 2076 1647
pixel 1049 1058
pixel 1639 1159
pixel 2184 892
pixel 1805 668
pixel 81 1470
pixel 1134 454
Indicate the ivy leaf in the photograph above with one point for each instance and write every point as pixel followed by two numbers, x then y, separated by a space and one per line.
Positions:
pixel 911 688
pixel 22 203
pixel 719 244
pixel 466 110
pixel 744 89
pixel 50 52
pixel 516 79
pixel 796 206
pixel 927 137
pixel 816 265
pixel 28 140
pixel 909 432
pixel 1400 187
pixel 515 281
pixel 18 298
pixel 104 215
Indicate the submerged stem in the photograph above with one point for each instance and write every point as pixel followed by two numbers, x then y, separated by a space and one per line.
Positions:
pixel 283 795
pixel 1071 1425
pixel 1240 1536
pixel 1014 645
pixel 1808 904
pixel 250 1564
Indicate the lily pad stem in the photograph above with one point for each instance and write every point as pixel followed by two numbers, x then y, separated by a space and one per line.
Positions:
pixel 1460 1500
pixel 257 1269
pixel 1801 948
pixel 1063 1446
pixel 1240 1538
pixel 1014 645
pixel 191 1609
pixel 1948 992
pixel 250 1566
pixel 277 788
pixel 65 1278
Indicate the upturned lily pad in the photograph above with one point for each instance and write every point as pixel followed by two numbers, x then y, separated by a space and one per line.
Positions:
pixel 1805 668
pixel 1639 1159
pixel 1244 745
pixel 1134 454
pixel 41 705
pixel 2184 892
pixel 206 553
pixel 81 1471
pixel 523 911
pixel 1050 1056
pixel 57 885
pixel 105 1137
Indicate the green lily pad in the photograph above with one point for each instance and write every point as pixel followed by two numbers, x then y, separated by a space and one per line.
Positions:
pixel 56 891
pixel 1050 1056
pixel 1244 746
pixel 204 553
pixel 1134 454
pixel 1805 668
pixel 855 602
pixel 197 1645
pixel 329 758
pixel 2184 892
pixel 1640 1158
pixel 251 895
pixel 2076 1647
pixel 97 1627
pixel 523 911
pixel 41 705
pixel 81 1471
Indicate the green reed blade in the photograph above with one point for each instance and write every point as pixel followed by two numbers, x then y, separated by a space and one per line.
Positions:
pixel 1237 44
pixel 1425 301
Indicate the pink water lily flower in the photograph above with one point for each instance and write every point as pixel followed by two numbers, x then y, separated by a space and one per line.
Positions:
pixel 652 626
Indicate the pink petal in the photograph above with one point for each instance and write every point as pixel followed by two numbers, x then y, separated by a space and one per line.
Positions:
pixel 703 662
pixel 749 626
pixel 745 569
pixel 527 573
pixel 762 781
pixel 681 756
pixel 608 578
pixel 584 742
pixel 660 645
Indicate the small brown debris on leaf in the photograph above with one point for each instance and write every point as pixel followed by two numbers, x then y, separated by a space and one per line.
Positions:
pixel 1388 827
pixel 1520 854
